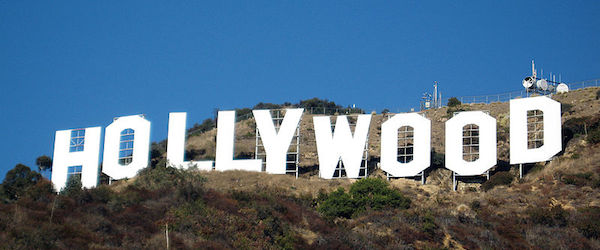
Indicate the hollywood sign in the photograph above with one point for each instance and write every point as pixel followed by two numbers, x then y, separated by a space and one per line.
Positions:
pixel 78 148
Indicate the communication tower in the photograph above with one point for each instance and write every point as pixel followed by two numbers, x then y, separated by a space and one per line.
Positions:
pixel 540 85
pixel 434 100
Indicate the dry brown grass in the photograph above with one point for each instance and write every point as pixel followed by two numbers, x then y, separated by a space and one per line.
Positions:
pixel 250 181
pixel 583 104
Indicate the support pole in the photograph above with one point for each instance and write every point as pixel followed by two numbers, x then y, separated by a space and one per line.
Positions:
pixel 453 181
pixel 167 234
pixel 520 171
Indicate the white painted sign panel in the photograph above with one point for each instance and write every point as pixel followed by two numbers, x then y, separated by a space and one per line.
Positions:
pixel 487 143
pixel 519 153
pixel 341 145
pixel 421 127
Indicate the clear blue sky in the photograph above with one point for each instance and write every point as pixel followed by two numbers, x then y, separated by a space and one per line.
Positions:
pixel 80 63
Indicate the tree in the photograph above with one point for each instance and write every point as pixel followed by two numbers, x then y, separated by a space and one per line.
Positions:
pixel 73 187
pixel 453 102
pixel 44 163
pixel 18 180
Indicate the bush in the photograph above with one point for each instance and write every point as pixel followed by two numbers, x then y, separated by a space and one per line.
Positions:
pixel 598 94
pixel 262 105
pixel 587 222
pixel 375 194
pixel 555 216
pixel 475 205
pixel 437 159
pixel 428 225
pixel 565 108
pixel 41 191
pixel 337 204
pixel 207 125
pixel 163 178
pixel 458 108
pixel 73 187
pixel 581 179
pixel 594 136
pixel 101 194
pixel 500 178
pixel 453 102
pixel 589 125
pixel 365 194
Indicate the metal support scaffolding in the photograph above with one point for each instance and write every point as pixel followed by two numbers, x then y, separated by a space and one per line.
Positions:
pixel 420 174
pixel 455 178
pixel 535 129
pixel 293 154
pixel 340 171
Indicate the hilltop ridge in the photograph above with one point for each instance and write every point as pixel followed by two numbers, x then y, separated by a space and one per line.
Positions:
pixel 555 205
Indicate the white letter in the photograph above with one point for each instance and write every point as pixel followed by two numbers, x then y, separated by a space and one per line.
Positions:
pixel 519 153
pixel 277 143
pixel 225 140
pixel 421 147
pixel 118 139
pixel 176 144
pixel 81 149
pixel 454 143
pixel 342 144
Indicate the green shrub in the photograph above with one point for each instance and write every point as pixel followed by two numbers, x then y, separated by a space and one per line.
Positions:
pixel 565 108
pixel 368 193
pixel 267 105
pixel 160 178
pixel 594 136
pixel 500 178
pixel 207 125
pixel 375 194
pixel 437 159
pixel 581 179
pixel 587 125
pixel 475 205
pixel 536 168
pixel 587 222
pixel 428 225
pixel 453 102
pixel 102 194
pixel 337 204
pixel 41 191
pixel 554 216
pixel 450 111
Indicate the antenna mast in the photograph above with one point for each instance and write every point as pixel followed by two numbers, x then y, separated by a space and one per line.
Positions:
pixel 435 96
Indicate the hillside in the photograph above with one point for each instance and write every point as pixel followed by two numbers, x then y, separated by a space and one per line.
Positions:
pixel 555 206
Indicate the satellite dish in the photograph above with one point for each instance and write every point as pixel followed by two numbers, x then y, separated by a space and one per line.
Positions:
pixel 562 88
pixel 542 84
pixel 528 82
